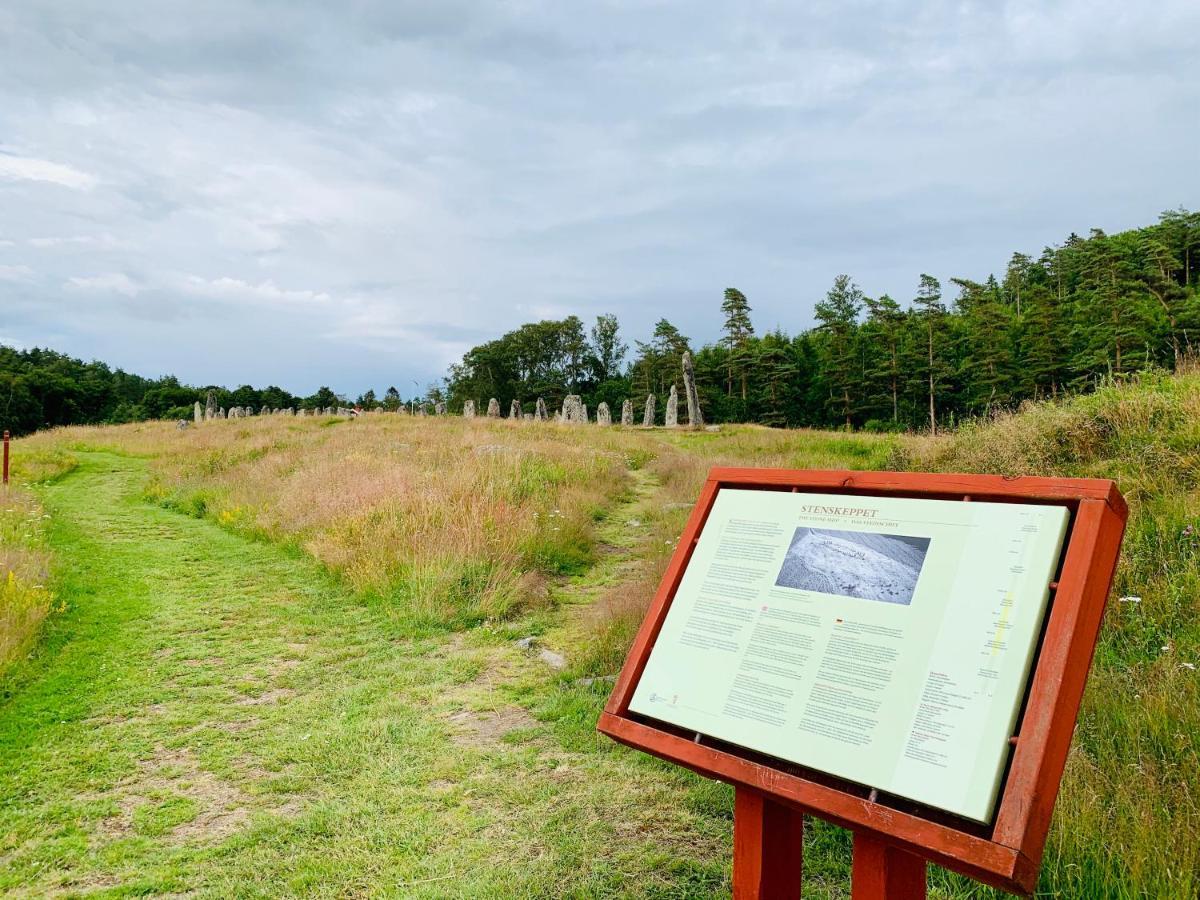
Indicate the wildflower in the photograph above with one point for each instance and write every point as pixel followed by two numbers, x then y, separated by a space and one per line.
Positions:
pixel 1130 599
pixel 1191 667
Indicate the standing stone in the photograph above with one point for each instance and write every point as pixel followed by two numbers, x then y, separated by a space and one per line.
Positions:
pixel 648 418
pixel 583 414
pixel 514 410
pixel 672 416
pixel 695 417
pixel 221 413
pixel 439 408
pixel 627 412
pixel 266 410
pixel 210 406
pixel 603 416
pixel 493 408
pixel 573 411
pixel 197 413
pixel 468 409
pixel 540 410
pixel 527 417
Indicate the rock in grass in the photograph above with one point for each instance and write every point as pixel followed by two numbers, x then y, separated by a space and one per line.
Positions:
pixel 603 416
pixel 439 408
pixel 627 412
pixel 493 408
pixel 526 643
pixel 210 406
pixel 648 418
pixel 540 410
pixel 671 418
pixel 468 409
pixel 552 659
pixel 514 409
pixel 197 413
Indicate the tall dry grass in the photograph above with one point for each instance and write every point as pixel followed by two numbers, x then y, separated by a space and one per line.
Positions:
pixel 451 521
pixel 26 596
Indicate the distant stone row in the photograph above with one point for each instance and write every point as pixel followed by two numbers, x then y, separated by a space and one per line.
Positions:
pixel 574 410
pixel 211 411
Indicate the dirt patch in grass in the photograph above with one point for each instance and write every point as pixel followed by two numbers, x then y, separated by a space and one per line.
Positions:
pixel 488 729
pixel 174 777
pixel 268 698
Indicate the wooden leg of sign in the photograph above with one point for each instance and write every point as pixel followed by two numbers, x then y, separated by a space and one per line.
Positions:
pixel 768 848
pixel 885 873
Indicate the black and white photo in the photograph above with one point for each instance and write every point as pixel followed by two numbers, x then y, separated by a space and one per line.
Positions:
pixel 862 564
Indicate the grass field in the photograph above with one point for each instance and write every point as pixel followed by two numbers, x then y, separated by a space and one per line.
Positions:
pixel 281 656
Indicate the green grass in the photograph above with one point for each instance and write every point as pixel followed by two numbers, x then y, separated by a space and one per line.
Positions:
pixel 216 716
pixel 216 713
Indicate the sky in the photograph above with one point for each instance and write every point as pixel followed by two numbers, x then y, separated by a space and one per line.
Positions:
pixel 353 194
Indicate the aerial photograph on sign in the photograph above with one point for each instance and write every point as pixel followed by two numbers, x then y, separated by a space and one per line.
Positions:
pixel 862 564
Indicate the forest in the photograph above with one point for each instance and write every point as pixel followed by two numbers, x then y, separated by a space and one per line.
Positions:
pixel 42 389
pixel 1093 308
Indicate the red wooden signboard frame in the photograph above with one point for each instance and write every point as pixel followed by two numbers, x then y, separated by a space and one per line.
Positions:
pixel 894 837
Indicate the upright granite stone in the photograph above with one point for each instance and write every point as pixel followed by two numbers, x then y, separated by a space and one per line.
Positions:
pixel 514 410
pixel 584 410
pixel 493 408
pixel 439 408
pixel 695 417
pixel 540 410
pixel 671 419
pixel 210 406
pixel 627 412
pixel 527 417
pixel 221 413
pixel 648 418
pixel 603 416
pixel 266 410
pixel 573 412
pixel 197 413
pixel 468 409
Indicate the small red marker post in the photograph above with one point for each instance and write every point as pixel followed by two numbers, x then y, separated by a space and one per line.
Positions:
pixel 6 456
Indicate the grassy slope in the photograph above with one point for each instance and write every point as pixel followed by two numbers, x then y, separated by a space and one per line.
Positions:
pixel 493 802
pixel 1128 818
pixel 218 716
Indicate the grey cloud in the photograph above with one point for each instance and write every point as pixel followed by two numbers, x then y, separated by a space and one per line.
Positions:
pixel 353 194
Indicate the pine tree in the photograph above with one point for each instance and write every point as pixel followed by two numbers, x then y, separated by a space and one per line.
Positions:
pixel 837 318
pixel 885 321
pixel 931 314
pixel 738 330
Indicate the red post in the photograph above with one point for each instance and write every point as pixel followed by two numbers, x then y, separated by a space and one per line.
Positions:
pixel 882 872
pixel 6 456
pixel 768 848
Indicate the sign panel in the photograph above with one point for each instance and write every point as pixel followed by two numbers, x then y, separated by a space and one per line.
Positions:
pixel 883 640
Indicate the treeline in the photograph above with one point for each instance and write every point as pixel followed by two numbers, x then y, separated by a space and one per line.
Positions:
pixel 1100 306
pixel 41 389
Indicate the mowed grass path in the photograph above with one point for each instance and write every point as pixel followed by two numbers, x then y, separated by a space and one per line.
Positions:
pixel 213 716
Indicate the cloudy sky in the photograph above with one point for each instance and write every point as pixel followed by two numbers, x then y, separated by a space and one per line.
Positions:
pixel 354 193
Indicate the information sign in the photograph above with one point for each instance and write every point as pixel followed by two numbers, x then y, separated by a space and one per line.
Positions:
pixel 902 654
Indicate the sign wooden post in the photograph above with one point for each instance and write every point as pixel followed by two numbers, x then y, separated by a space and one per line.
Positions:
pixel 896 833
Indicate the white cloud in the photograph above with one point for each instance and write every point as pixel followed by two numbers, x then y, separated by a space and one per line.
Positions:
pixel 83 240
pixel 263 292
pixel 15 273
pixel 28 168
pixel 109 282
